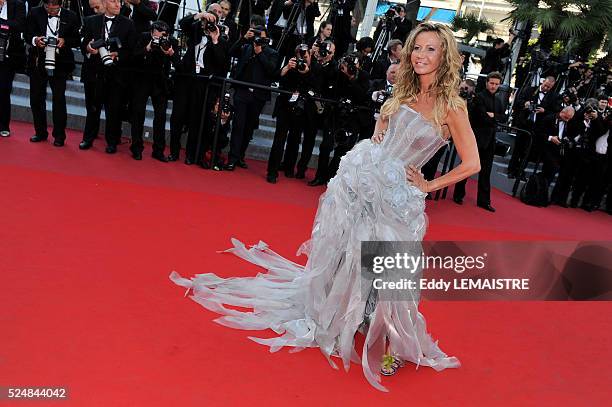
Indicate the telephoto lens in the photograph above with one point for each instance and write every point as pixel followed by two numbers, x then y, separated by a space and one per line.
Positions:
pixel 50 51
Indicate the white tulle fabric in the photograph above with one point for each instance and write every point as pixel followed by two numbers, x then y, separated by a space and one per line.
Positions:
pixel 321 304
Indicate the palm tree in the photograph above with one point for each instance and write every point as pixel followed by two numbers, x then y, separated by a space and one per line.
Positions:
pixel 471 25
pixel 584 24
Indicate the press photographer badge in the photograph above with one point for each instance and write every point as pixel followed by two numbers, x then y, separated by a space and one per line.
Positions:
pixel 294 97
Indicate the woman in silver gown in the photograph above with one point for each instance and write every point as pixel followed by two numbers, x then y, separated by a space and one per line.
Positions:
pixel 378 194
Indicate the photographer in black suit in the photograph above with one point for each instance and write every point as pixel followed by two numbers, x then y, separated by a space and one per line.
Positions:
pixel 341 18
pixel 257 63
pixel 291 111
pixel 140 12
pixel 154 54
pixel 108 43
pixel 486 112
pixel 293 20
pixel 579 156
pixel 391 56
pixel 531 106
pixel 12 24
pixel 551 137
pixel 397 24
pixel 52 31
pixel 207 54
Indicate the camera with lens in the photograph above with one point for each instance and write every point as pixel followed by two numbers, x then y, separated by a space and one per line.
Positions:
pixel 4 40
pixel 226 105
pixel 162 43
pixel 465 94
pixel 209 27
pixel 258 39
pixel 300 62
pixel 566 145
pixel 50 51
pixel 392 12
pixel 324 47
pixel 350 61
pixel 105 47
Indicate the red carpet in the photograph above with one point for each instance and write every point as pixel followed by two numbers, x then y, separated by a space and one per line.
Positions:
pixel 88 241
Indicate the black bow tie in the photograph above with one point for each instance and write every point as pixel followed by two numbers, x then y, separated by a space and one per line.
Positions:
pixel 107 19
pixel 50 16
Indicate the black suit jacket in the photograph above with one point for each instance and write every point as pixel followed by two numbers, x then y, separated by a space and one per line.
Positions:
pixel 402 29
pixel 94 29
pixel 484 125
pixel 310 13
pixel 142 16
pixel 216 56
pixel 550 103
pixel 16 23
pixel 263 68
pixel 493 58
pixel 68 30
pixel 248 8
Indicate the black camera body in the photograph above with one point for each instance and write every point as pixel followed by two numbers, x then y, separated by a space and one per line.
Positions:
pixel 162 43
pixel 105 47
pixel 258 39
pixel 300 63
pixel 351 64
pixel 324 47
pixel 209 26
pixel 226 105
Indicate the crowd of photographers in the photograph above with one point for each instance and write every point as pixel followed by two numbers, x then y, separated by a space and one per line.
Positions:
pixel 130 56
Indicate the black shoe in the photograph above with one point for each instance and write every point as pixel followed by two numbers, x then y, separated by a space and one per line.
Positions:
pixel 111 149
pixel 459 201
pixel 230 167
pixel 85 145
pixel 487 207
pixel 316 182
pixel 160 157
pixel 243 164
pixel 137 155
pixel 271 178
pixel 204 164
pixel 37 139
pixel 172 157
pixel 58 143
pixel 289 174
pixel 188 161
pixel 218 166
pixel 300 175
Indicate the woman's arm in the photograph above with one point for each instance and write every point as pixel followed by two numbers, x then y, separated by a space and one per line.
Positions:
pixel 465 143
pixel 380 129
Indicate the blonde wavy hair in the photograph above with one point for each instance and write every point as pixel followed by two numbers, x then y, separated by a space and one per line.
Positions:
pixel 445 87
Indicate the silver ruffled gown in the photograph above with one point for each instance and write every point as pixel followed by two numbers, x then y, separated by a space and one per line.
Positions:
pixel 321 304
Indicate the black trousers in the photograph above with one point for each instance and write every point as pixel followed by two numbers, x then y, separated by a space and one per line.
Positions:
pixel 38 103
pixel 600 174
pixel 200 118
pixel 7 75
pixel 486 151
pixel 109 92
pixel 247 109
pixel 551 159
pixel 307 126
pixel 287 126
pixel 519 151
pixel 93 105
pixel 574 174
pixel 431 167
pixel 181 108
pixel 325 149
pixel 143 89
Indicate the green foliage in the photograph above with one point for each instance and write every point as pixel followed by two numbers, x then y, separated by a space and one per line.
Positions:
pixel 471 25
pixel 568 19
